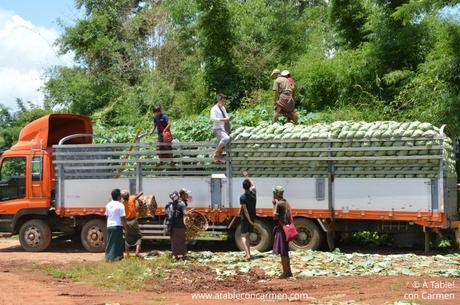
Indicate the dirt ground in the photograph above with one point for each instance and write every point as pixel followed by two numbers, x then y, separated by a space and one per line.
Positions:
pixel 21 284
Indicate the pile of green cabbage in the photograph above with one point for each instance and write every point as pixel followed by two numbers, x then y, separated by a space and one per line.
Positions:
pixel 343 134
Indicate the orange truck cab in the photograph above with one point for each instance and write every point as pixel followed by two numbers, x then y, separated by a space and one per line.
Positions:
pixel 27 180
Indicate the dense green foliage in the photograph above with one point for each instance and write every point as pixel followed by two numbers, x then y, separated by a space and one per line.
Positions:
pixel 196 128
pixel 12 123
pixel 351 59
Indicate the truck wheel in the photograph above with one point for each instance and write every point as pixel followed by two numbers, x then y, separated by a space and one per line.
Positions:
pixel 35 235
pixel 93 235
pixel 260 239
pixel 310 235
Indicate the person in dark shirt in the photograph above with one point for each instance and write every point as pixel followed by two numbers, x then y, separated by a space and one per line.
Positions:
pixel 175 211
pixel 185 196
pixel 282 215
pixel 247 213
pixel 161 123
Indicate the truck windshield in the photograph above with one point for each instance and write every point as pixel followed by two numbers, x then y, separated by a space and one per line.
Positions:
pixel 13 178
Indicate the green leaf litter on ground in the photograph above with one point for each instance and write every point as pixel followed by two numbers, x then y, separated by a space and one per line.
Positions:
pixel 316 263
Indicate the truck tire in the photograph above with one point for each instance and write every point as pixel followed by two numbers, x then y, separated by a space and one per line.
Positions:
pixel 310 235
pixel 260 239
pixel 35 235
pixel 93 235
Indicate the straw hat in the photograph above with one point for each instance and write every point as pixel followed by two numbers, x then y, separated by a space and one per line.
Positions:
pixel 275 71
pixel 285 73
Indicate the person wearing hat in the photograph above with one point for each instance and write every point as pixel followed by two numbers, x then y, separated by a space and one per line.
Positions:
pixel 133 235
pixel 221 126
pixel 162 124
pixel 291 82
pixel 282 215
pixel 275 74
pixel 284 101
pixel 174 220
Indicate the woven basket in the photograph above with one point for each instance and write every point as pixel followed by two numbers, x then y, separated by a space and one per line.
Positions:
pixel 196 223
pixel 147 206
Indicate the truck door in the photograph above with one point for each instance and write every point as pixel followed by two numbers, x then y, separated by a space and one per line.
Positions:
pixel 12 187
pixel 37 177
pixel 218 191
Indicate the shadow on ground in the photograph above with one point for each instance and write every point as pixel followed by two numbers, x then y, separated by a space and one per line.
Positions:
pixel 65 245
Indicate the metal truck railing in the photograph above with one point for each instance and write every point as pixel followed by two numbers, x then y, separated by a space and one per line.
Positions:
pixel 99 161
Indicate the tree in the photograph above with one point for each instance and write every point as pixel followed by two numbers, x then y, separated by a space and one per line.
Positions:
pixel 348 18
pixel 406 12
pixel 433 94
pixel 217 41
pixel 371 59
pixel 11 123
pixel 111 45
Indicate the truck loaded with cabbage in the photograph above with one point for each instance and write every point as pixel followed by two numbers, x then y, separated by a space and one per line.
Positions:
pixel 344 177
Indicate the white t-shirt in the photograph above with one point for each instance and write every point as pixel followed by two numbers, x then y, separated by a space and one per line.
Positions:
pixel 216 115
pixel 114 210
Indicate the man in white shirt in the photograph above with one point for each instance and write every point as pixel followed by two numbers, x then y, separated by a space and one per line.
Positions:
pixel 115 212
pixel 221 126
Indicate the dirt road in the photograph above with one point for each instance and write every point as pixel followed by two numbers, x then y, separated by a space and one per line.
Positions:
pixel 22 284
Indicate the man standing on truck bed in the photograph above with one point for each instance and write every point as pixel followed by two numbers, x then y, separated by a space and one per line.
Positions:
pixel 247 213
pixel 133 233
pixel 116 221
pixel 284 101
pixel 162 124
pixel 221 126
